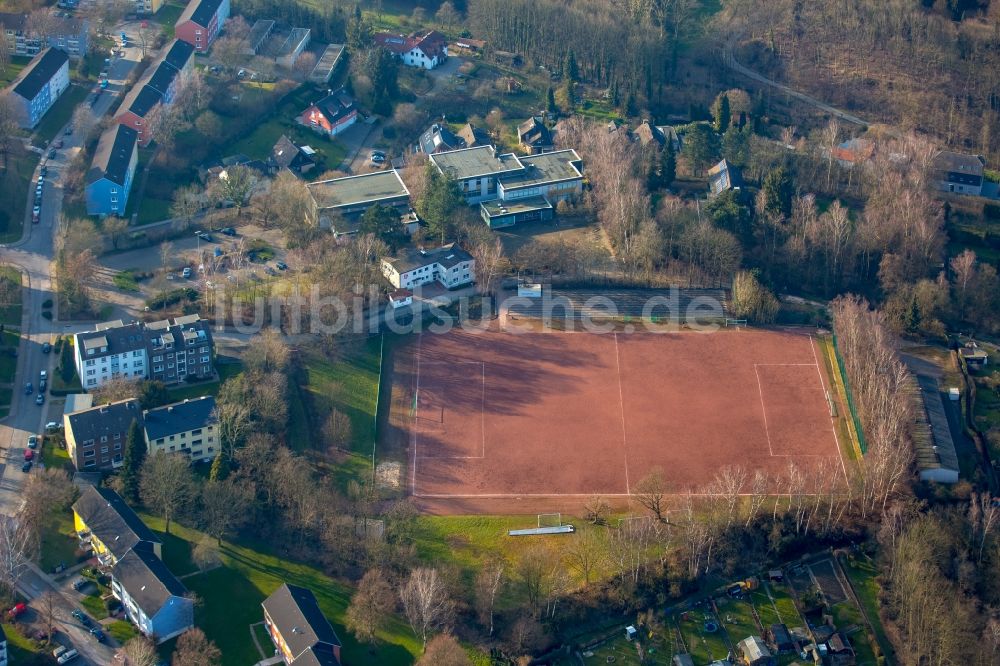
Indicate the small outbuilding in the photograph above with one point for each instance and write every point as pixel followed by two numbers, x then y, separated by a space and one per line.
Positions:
pixel 753 652
pixel 779 639
pixel 683 660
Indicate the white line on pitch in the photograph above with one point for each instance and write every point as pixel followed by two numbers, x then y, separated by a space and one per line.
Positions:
pixel 621 403
pixel 763 409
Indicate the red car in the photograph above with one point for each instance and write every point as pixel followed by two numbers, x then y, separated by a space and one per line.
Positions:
pixel 29 454
pixel 16 611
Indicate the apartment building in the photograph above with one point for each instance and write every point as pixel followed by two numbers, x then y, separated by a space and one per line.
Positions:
pixel 95 437
pixel 169 351
pixel 201 22
pixel 189 428
pixel 448 265
pixel 109 179
pixel 102 519
pixel 28 34
pixel 38 86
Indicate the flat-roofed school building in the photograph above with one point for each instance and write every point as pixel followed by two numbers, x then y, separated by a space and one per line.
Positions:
pixel 353 195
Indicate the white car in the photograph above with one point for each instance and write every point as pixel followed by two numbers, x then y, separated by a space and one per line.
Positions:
pixel 67 656
pixel 59 651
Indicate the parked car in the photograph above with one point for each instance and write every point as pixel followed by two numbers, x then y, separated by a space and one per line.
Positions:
pixel 32 441
pixel 60 651
pixel 186 273
pixel 52 153
pixel 281 265
pixel 53 425
pixel 97 634
pixel 44 374
pixel 42 385
pixel 79 584
pixel 81 617
pixel 229 231
pixel 29 454
pixel 16 611
pixel 204 236
pixel 44 171
pixel 69 130
pixel 35 218
pixel 26 467
pixel 36 210
pixel 40 399
pixel 58 143
pixel 46 347
pixel 29 388
pixel 67 656
pixel 217 252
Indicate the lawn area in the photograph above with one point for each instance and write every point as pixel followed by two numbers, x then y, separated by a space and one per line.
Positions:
pixel 19 649
pixel 784 604
pixel 349 384
pixel 13 68
pixel 862 575
pixel 125 280
pixel 8 367
pixel 93 605
pixel 122 631
pixel 625 654
pixel 52 454
pixel 231 597
pixel 14 186
pixel 167 17
pixel 10 309
pixel 59 115
pixel 196 390
pixel 153 210
pixel 737 618
pixel 765 609
pixel 59 543
pixel 703 646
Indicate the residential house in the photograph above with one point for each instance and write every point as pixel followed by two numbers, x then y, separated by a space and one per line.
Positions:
pixel 28 34
pixel 153 599
pixel 38 86
pixel 439 139
pixel 201 22
pixel 109 178
pixel 220 169
pixel 975 357
pixel 190 428
pixel 147 7
pixel 853 151
pixel 400 298
pixel 326 64
pixel 722 177
pixel 168 350
pixel 299 629
pixel 286 155
pixel 449 265
pixel 474 136
pixel 534 137
pixel 159 85
pixel 103 519
pixel 351 196
pixel 753 652
pixel 424 49
pixel 95 436
pixel 648 134
pixel 958 173
pixel 331 115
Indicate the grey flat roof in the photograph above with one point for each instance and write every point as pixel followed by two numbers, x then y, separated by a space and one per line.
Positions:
pixel 500 208
pixel 544 168
pixel 474 162
pixel 39 72
pixel 324 66
pixel 352 190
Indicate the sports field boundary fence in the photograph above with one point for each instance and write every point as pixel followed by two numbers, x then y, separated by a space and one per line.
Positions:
pixel 849 393
pixel 378 399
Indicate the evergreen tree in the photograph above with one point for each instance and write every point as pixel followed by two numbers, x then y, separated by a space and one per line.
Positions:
pixel 701 147
pixel 631 109
pixel 441 198
pixel 736 145
pixel 722 114
pixel 383 221
pixel 550 100
pixel 220 468
pixel 135 455
pixel 616 98
pixel 381 67
pixel 778 190
pixel 359 31
pixel 668 164
pixel 649 85
pixel 570 70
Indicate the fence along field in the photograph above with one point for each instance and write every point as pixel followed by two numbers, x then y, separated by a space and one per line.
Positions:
pixel 499 421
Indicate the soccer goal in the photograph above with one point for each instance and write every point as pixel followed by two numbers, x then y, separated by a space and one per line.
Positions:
pixel 736 323
pixel 548 523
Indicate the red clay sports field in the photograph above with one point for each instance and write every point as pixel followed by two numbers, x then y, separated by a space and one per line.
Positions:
pixel 508 416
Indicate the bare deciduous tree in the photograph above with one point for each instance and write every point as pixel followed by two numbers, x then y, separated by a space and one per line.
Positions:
pixel 337 430
pixel 166 485
pixel 489 579
pixel 371 606
pixel 194 649
pixel 651 493
pixel 224 507
pixel 426 602
pixel 444 650
pixel 140 651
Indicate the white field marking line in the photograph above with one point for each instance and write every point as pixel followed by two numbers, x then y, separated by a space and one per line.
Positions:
pixel 591 494
pixel 760 391
pixel 416 410
pixel 482 412
pixel 829 389
pixel 621 404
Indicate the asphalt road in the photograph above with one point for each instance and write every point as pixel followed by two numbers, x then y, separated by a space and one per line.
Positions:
pixel 33 255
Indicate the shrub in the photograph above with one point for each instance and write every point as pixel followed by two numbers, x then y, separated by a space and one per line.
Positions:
pixel 47 314
pixel 47 304
pixel 172 297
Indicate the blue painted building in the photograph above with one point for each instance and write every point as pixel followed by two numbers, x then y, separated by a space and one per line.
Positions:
pixel 154 600
pixel 39 85
pixel 110 175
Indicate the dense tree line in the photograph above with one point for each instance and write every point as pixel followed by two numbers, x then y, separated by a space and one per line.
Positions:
pixel 897 62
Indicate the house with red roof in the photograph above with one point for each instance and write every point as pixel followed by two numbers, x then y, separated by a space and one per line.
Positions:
pixel 426 50
pixel 331 115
